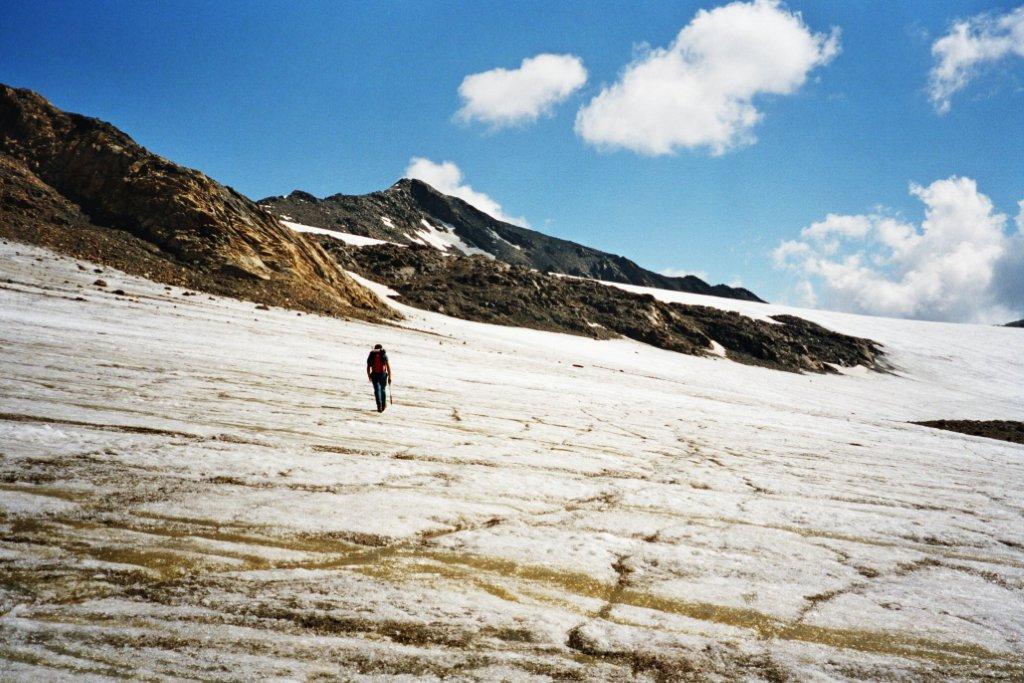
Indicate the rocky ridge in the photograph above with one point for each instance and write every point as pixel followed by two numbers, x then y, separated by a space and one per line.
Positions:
pixel 81 186
pixel 485 290
pixel 411 211
pixel 1003 430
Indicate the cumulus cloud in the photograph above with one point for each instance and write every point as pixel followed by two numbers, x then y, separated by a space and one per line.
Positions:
pixel 806 295
pixel 446 177
pixel 838 226
pixel 970 45
pixel 960 264
pixel 506 97
pixel 699 91
pixel 1009 275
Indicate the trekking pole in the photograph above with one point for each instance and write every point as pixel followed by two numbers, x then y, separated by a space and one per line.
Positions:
pixel 391 394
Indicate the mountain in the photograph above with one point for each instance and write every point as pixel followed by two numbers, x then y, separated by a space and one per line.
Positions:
pixel 81 186
pixel 1015 323
pixel 411 211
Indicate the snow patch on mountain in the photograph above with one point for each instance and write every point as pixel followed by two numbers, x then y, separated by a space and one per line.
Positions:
pixel 444 238
pixel 347 238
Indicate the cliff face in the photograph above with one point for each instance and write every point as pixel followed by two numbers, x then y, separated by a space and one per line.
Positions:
pixel 411 211
pixel 105 179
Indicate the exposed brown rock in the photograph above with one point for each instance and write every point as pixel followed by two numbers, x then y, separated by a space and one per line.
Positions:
pixel 67 171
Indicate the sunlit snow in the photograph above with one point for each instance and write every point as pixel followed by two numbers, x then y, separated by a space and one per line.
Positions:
pixel 193 488
pixel 445 238
pixel 346 237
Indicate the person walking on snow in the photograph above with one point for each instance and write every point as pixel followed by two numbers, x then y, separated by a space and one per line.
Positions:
pixel 378 370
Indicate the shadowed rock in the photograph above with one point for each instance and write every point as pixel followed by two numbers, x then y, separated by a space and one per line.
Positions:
pixel 1003 430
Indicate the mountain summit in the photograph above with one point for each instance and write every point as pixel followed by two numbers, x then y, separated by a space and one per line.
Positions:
pixel 413 212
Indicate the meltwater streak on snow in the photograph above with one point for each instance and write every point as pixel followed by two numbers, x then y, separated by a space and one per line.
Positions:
pixel 193 488
pixel 346 237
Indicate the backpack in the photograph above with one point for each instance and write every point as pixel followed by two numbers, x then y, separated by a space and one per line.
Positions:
pixel 378 361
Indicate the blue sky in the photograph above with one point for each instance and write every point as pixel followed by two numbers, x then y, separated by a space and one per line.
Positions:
pixel 338 97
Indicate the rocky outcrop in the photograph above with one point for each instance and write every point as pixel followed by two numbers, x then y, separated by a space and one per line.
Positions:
pixel 25 200
pixel 1003 430
pixel 63 170
pixel 397 215
pixel 477 288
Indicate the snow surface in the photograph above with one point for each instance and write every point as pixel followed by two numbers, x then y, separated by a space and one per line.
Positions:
pixel 192 488
pixel 346 237
pixel 444 238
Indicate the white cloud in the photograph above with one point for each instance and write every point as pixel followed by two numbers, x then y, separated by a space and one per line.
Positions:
pixel 959 264
pixel 683 272
pixel 699 91
pixel 1009 275
pixel 838 225
pixel 446 177
pixel 505 97
pixel 970 44
pixel 806 295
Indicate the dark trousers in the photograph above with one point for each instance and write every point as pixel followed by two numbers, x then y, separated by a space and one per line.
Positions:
pixel 380 387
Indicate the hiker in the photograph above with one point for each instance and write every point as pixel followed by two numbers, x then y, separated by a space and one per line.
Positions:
pixel 378 369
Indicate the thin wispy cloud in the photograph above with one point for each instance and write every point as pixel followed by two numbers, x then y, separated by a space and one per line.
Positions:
pixel 959 264
pixel 683 272
pixel 447 177
pixel 508 97
pixel 970 45
pixel 699 92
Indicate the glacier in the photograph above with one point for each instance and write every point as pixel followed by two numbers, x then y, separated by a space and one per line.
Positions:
pixel 194 488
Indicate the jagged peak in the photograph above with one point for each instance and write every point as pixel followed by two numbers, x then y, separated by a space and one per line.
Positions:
pixel 400 184
pixel 411 184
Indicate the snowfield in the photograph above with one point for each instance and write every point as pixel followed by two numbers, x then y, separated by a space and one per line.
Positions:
pixel 193 488
pixel 346 237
